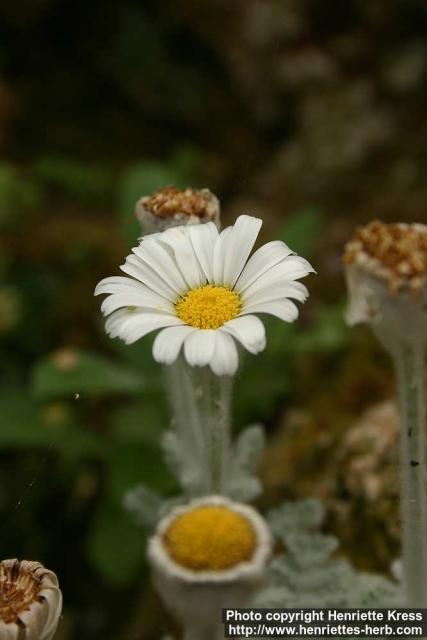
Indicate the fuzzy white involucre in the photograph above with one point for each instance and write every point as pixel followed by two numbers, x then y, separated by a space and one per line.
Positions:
pixel 197 597
pixel 166 266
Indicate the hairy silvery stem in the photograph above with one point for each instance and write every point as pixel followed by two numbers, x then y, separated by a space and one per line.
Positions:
pixel 214 396
pixel 387 282
pixel 201 404
pixel 409 362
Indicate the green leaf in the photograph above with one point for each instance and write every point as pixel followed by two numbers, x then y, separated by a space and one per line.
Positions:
pixel 70 373
pixel 26 424
pixel 115 545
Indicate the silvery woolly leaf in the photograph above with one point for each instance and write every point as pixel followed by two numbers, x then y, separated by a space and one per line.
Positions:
pixel 272 597
pixel 243 484
pixel 144 504
pixel 184 468
pixel 311 548
pixel 304 515
pixel 371 590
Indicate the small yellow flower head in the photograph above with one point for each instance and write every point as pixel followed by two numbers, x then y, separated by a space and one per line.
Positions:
pixel 210 538
pixel 208 307
pixel 207 555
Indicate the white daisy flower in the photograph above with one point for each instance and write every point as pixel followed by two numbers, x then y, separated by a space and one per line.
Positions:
pixel 201 288
pixel 209 554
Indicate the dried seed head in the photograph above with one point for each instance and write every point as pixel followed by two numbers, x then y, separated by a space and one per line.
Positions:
pixel 396 253
pixel 386 269
pixel 30 601
pixel 172 207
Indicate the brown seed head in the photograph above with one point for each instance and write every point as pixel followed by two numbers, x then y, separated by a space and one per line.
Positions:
pixel 21 585
pixel 170 201
pixel 396 253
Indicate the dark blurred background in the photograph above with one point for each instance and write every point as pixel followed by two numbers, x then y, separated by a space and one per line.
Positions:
pixel 310 114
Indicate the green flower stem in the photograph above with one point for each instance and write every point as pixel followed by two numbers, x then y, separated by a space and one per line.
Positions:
pixel 201 404
pixel 409 361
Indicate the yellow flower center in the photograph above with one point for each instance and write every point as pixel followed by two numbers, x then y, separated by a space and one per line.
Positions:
pixel 210 537
pixel 208 307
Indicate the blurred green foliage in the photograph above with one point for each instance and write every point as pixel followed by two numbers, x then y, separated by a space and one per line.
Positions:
pixel 14 199
pixel 75 373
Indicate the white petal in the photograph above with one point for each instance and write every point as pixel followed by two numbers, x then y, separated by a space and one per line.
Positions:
pixel 130 326
pixel 157 257
pixel 283 309
pixel 244 234
pixel 8 631
pixel 142 272
pixel 248 330
pixel 150 302
pixel 114 322
pixel 34 620
pixel 296 267
pixel 203 238
pixel 286 271
pixel 53 599
pixel 178 243
pixel 168 343
pixel 199 347
pixel 117 284
pixel 262 260
pixel 225 359
pixel 220 251
pixel 276 291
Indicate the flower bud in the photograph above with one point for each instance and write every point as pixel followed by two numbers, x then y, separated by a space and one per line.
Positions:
pixel 208 555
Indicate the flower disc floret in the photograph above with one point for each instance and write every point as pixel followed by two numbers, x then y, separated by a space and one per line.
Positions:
pixel 208 307
pixel 210 538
